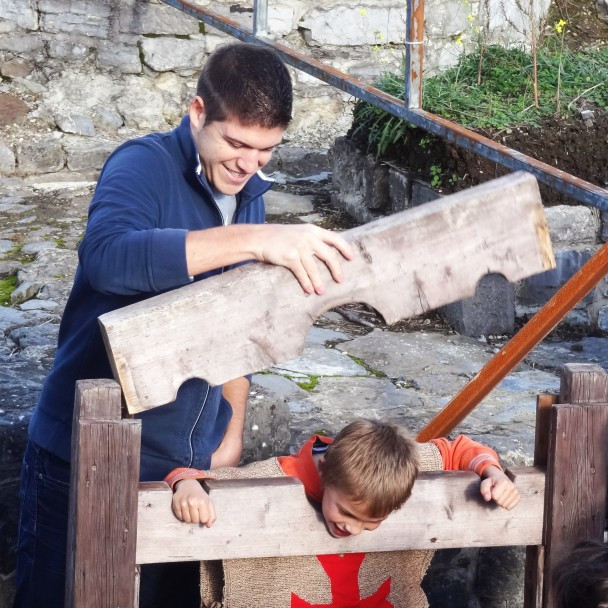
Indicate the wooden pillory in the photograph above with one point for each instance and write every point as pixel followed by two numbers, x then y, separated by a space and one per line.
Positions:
pixel 116 524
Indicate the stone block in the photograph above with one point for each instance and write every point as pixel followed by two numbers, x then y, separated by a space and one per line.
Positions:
pixel 602 320
pixel 602 9
pixel 24 45
pixel 266 431
pixel 167 54
pixel 87 155
pixel 18 13
pixel 7 159
pixel 16 68
pixel 71 49
pixel 536 290
pixel 12 109
pixel 149 116
pixel 422 193
pixel 75 17
pixel 43 156
pixel 25 291
pixel 149 18
pixel 105 119
pixel 572 225
pixel 124 57
pixel 75 123
pixel 299 162
pixel 491 311
pixel 399 189
pixel 348 166
pixel 280 18
pixel 353 26
pixel 375 184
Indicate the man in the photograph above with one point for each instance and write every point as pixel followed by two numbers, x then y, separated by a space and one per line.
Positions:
pixel 169 209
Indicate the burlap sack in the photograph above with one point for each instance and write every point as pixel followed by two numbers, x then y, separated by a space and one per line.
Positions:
pixel 300 581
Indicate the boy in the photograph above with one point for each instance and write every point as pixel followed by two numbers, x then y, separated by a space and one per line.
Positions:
pixel 358 479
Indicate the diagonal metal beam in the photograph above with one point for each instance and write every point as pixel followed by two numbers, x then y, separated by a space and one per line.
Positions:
pixel 561 181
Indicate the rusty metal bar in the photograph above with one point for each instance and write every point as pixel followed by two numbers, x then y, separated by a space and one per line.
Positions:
pixel 559 180
pixel 414 51
pixel 564 300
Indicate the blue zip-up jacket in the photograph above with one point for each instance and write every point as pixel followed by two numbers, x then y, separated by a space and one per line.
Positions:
pixel 147 198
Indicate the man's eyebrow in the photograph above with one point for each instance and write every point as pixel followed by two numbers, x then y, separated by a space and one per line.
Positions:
pixel 234 140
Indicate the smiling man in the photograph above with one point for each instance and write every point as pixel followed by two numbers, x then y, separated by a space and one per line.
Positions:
pixel 169 209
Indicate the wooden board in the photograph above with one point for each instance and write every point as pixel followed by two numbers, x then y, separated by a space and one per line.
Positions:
pixel 103 500
pixel 255 316
pixel 272 517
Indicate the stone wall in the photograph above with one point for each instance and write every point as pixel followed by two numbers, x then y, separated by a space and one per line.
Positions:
pixel 79 76
pixel 367 188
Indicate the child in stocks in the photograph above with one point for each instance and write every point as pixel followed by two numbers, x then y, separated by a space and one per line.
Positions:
pixel 358 479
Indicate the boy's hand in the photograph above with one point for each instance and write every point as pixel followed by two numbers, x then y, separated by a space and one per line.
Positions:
pixel 498 487
pixel 192 504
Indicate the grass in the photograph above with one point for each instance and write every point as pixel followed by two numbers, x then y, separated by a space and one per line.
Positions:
pixel 504 96
pixel 7 286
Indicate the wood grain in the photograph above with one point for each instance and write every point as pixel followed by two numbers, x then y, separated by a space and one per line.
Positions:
pixel 103 500
pixel 577 473
pixel 255 316
pixel 272 517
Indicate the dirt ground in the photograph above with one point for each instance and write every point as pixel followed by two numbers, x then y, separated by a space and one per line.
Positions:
pixel 571 144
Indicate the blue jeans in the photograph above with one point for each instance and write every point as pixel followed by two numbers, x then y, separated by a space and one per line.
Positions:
pixel 43 525
pixel 42 542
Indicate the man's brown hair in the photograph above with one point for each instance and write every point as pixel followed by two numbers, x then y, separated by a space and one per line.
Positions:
pixel 374 464
pixel 246 82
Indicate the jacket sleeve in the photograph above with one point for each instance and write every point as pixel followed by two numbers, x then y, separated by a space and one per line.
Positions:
pixel 464 454
pixel 185 473
pixel 126 250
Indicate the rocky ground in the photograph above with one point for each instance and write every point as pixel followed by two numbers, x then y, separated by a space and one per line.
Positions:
pixel 353 364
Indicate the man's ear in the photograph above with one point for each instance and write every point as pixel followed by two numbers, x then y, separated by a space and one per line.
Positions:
pixel 196 112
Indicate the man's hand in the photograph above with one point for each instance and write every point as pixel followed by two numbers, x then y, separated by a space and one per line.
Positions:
pixel 192 504
pixel 498 487
pixel 299 248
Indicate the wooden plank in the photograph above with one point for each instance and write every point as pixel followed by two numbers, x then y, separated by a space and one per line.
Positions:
pixel 103 500
pixel 272 517
pixel 576 482
pixel 583 383
pixel 535 554
pixel 255 316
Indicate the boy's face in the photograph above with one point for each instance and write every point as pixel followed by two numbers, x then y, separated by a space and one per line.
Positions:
pixel 345 517
pixel 230 152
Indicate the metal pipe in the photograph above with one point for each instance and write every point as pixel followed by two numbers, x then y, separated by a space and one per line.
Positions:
pixel 562 302
pixel 260 17
pixel 414 51
pixel 559 180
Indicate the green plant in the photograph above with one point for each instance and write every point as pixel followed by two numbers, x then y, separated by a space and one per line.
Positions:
pixel 7 286
pixel 308 385
pixel 502 98
pixel 436 173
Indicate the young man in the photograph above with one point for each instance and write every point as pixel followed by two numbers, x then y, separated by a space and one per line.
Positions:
pixel 169 209
pixel 358 480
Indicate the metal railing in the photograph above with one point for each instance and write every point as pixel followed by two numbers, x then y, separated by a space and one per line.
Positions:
pixel 562 302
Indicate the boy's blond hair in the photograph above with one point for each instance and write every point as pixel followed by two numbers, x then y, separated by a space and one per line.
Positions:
pixel 373 463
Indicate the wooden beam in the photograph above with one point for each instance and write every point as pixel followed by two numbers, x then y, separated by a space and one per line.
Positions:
pixel 103 500
pixel 272 517
pixel 255 316
pixel 577 473
pixel 535 554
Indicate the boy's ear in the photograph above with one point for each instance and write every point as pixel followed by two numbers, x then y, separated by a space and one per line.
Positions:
pixel 196 111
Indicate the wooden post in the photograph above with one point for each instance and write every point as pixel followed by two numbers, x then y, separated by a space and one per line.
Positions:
pixel 575 496
pixel 535 554
pixel 103 500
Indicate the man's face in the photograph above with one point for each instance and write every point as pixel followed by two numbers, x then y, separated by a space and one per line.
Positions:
pixel 230 152
pixel 345 517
